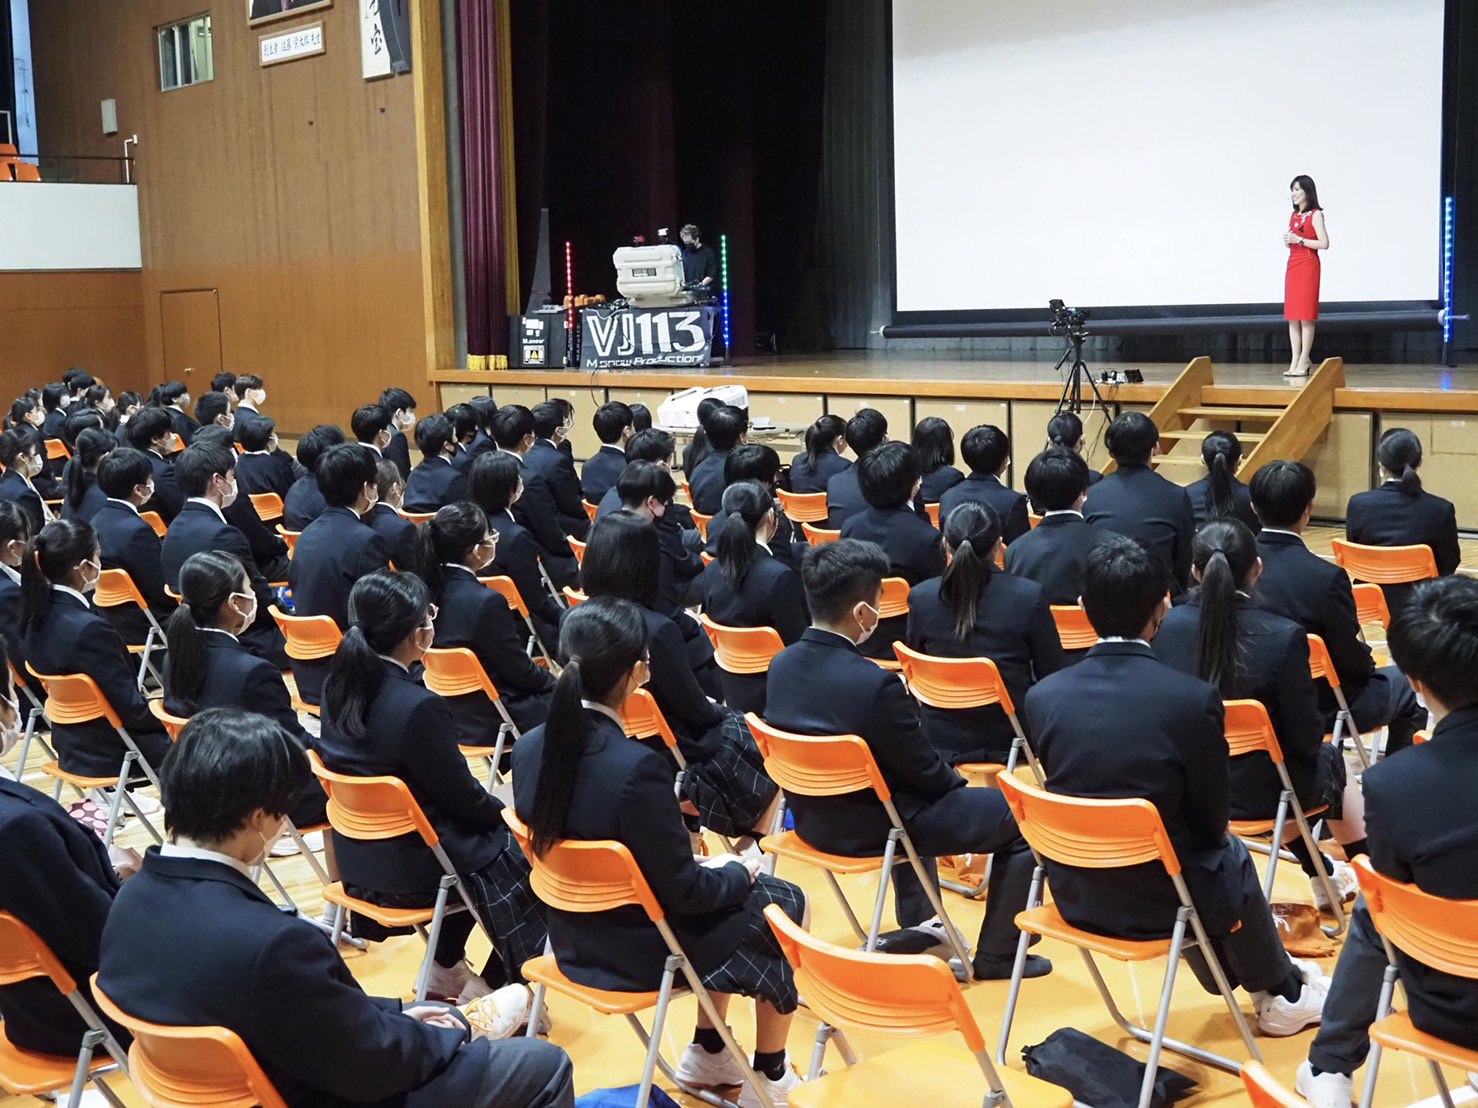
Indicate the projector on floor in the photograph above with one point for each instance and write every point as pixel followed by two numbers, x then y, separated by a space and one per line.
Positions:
pixel 679 412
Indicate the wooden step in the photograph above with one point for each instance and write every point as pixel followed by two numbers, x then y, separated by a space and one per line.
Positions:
pixel 1242 436
pixel 1233 415
pixel 1178 460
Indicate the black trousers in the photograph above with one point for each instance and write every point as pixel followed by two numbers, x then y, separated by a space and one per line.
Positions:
pixel 1386 700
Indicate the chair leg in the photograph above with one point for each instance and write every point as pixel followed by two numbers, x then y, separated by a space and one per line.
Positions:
pixel 883 878
pixel 437 915
pixel 1162 1013
pixel 818 1051
pixel 931 890
pixel 846 907
pixel 1307 834
pixel 91 1040
pixel 20 763
pixel 1382 1009
pixel 705 1002
pixel 115 808
pixel 308 855
pixel 122 792
pixel 654 1040
pixel 1018 968
pixel 1442 1090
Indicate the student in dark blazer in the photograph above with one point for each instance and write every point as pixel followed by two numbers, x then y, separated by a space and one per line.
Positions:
pixel 822 459
pixel 378 720
pixel 865 430
pixel 975 611
pixel 483 410
pixel 207 476
pixel 128 543
pixel 304 502
pixel 151 433
pixel 1219 495
pixel 653 445
pixel 435 481
pixel 822 685
pixel 647 489
pixel 757 462
pixel 1136 501
pixel 23 458
pixel 987 451
pixel 208 666
pixel 15 535
pixel 81 498
pixel 747 586
pixel 56 414
pixel 726 777
pixel 1418 808
pixel 451 550
pixel 61 634
pixel 551 463
pixel 513 431
pixel 495 485
pixel 1222 636
pixel 1054 552
pixel 889 478
pixel 727 428
pixel 402 408
pixel 580 778
pixel 464 430
pixel 1066 429
pixel 1399 512
pixel 1120 724
pixel 1299 585
pixel 174 400
pixel 193 941
pixel 613 426
pixel 262 467
pixel 384 518
pixel 268 549
pixel 934 439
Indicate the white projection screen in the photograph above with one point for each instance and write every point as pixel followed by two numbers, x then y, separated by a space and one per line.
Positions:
pixel 1138 152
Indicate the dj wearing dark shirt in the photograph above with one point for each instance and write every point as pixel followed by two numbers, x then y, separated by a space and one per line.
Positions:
pixel 700 263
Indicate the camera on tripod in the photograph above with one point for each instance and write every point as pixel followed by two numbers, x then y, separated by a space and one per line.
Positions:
pixel 1070 322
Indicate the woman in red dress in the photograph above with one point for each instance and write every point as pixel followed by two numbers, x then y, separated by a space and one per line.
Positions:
pixel 1305 237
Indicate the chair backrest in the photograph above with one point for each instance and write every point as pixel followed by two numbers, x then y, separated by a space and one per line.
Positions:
pixel 1032 519
pixel 953 682
pixel 6 173
pixel 73 698
pixel 1265 1091
pixel 115 588
pixel 289 537
pixel 644 720
pixel 417 518
pixel 1384 565
pixel 1422 736
pixel 24 955
pixel 803 507
pixel 9 151
pixel 178 1067
pixel 57 449
pixel 25 171
pixel 817 765
pixel 574 596
pixel 742 649
pixel 933 512
pixel 578 547
pixel 308 637
pixel 156 521
pixel 371 808
pixel 895 598
pixel 1073 627
pixel 701 522
pixel 172 724
pixel 505 587
pixel 1320 664
pixel 1437 932
pixel 893 995
pixel 1249 730
pixel 267 504
pixel 687 492
pixel 455 671
pixel 818 536
pixel 590 509
pixel 1370 604
pixel 1094 834
pixel 595 875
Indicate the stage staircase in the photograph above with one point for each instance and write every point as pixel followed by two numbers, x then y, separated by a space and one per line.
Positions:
pixel 1280 422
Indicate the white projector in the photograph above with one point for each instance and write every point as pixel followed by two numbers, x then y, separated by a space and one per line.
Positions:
pixel 651 276
pixel 679 412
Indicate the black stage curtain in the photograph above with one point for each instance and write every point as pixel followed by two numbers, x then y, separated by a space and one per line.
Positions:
pixel 7 84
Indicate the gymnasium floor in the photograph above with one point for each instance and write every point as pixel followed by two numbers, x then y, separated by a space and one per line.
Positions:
pixel 607 1054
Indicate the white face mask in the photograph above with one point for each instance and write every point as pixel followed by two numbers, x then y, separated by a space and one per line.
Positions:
pixel 97 568
pixel 249 616
pixel 867 631
pixel 258 397
pixel 34 465
pixel 230 497
pixel 11 733
pixel 1422 702
pixel 269 841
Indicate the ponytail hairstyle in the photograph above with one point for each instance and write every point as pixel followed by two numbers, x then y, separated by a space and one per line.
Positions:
pixel 934 439
pixel 971 532
pixel 207 580
pixel 51 555
pixel 600 642
pixel 1224 554
pixel 822 435
pixel 1065 429
pixel 1221 451
pixel 448 536
pixel 93 445
pixel 745 506
pixel 385 608
pixel 1400 455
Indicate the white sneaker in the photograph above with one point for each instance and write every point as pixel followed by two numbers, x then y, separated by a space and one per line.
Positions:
pixel 698 1069
pixel 1325 1090
pixel 500 1013
pixel 1277 1017
pixel 778 1092
pixel 455 983
pixel 285 847
pixel 1473 1081
pixel 88 1098
pixel 1345 883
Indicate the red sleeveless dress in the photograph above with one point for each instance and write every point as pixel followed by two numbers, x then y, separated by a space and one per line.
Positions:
pixel 1301 283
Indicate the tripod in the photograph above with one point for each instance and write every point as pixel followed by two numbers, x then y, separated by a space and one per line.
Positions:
pixel 1071 399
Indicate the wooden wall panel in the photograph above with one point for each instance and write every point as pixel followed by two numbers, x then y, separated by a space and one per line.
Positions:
pixel 89 318
pixel 291 189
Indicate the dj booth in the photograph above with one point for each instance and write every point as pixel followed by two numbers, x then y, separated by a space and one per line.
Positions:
pixel 613 337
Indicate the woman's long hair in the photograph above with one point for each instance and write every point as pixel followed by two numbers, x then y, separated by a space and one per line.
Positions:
pixel 207 580
pixel 51 555
pixel 622 559
pixel 447 537
pixel 1224 553
pixel 1311 194
pixel 934 439
pixel 385 608
pixel 1221 451
pixel 971 532
pixel 822 435
pixel 1400 454
pixel 600 641
pixel 745 506
pixel 15 523
pixel 92 446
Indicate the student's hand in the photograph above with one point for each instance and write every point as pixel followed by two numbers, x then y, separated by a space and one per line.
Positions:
pixel 125 861
pixel 434 1016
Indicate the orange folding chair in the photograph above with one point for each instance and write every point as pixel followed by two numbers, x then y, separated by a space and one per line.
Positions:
pixel 156 521
pixel 75 698
pixel 644 720
pixel 375 808
pixel 115 589
pixel 57 450
pixel 289 537
pixel 1250 731
pixel 455 671
pixel 834 765
pixel 701 522
pixel 590 509
pixel 892 605
pixel 1421 737
pixel 417 518
pixel 25 171
pixel 309 639
pixel 574 596
pixel 505 587
pixel 578 547
pixel 186 1067
pixel 1032 519
pixel 818 536
pixel 1110 834
pixel 1265 1091
pixel 23 956
pixel 742 650
pixel 267 504
pixel 1322 666
pixel 36 712
pixel 172 724
pixel 933 513
pixel 803 507
pixel 1384 565
pixel 600 876
pixel 687 492
pixel 1073 628
pixel 895 996
pixel 1370 605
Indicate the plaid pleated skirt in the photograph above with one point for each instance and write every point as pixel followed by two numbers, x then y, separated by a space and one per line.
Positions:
pixel 757 968
pixel 731 789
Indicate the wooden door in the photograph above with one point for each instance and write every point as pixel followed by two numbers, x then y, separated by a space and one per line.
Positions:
pixel 191 325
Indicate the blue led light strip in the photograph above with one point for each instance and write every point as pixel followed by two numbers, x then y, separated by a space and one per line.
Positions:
pixel 723 254
pixel 1447 270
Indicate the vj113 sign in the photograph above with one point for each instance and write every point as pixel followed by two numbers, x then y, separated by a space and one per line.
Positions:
pixel 645 336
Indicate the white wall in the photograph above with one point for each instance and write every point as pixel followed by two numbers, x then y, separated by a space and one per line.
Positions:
pixel 55 226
